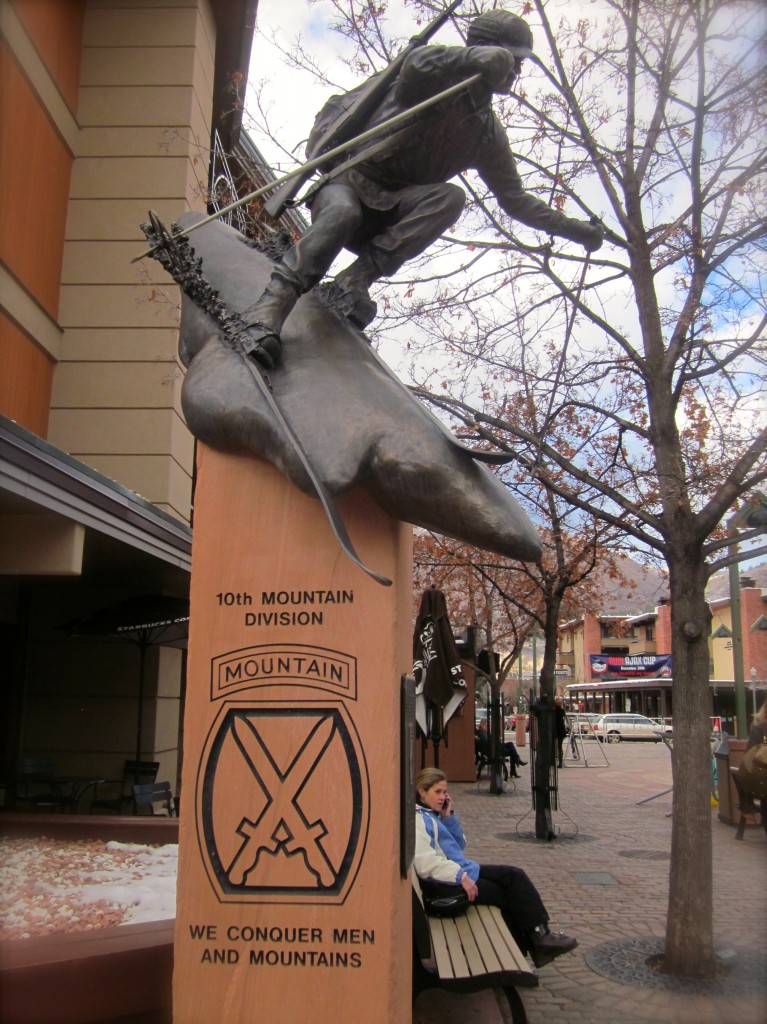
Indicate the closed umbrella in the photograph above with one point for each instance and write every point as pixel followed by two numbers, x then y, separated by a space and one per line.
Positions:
pixel 152 621
pixel 440 688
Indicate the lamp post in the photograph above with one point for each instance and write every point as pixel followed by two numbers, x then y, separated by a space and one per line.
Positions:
pixel 753 689
pixel 737 648
pixel 752 518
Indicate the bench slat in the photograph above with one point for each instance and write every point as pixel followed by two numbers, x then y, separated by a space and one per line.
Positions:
pixel 439 944
pixel 475 944
pixel 491 956
pixel 461 967
pixel 488 957
pixel 503 942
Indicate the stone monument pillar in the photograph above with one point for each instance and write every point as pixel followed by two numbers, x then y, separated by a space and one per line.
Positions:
pixel 291 905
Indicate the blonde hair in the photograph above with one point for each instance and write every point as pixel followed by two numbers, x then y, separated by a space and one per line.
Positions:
pixel 428 777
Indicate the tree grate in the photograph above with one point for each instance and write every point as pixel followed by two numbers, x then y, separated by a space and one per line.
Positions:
pixel 645 854
pixel 741 972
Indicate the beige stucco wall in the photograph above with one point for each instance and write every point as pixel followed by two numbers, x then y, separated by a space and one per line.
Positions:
pixel 144 129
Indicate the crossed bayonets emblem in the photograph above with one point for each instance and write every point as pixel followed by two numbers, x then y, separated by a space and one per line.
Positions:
pixel 282 823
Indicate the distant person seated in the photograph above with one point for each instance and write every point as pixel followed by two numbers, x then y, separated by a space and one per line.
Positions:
pixel 444 869
pixel 510 751
pixel 482 751
pixel 481 747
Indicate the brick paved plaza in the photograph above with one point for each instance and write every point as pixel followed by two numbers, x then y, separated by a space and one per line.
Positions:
pixel 606 879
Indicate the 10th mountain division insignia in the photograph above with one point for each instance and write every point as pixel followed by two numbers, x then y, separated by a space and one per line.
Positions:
pixel 283 803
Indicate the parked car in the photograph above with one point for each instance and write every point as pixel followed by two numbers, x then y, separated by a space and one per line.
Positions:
pixel 616 727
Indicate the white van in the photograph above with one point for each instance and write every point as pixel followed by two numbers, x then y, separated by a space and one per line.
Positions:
pixel 617 727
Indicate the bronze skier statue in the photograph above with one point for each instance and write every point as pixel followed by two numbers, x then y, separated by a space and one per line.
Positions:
pixel 395 201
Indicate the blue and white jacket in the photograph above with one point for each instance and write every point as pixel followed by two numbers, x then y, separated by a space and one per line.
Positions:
pixel 439 845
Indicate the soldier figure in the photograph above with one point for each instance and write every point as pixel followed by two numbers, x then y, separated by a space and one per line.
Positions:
pixel 389 208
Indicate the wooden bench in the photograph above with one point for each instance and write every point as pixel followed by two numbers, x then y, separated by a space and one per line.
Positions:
pixel 747 805
pixel 468 954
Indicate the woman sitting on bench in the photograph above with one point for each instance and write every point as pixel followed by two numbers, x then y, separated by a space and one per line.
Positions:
pixel 482 752
pixel 442 867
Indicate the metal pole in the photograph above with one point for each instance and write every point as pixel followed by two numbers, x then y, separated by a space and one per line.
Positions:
pixel 737 648
pixel 753 691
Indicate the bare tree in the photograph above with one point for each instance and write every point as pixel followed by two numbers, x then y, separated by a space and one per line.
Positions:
pixel 662 363
pixel 641 370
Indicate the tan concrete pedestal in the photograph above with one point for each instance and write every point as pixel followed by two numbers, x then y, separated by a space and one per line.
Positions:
pixel 290 902
pixel 521 730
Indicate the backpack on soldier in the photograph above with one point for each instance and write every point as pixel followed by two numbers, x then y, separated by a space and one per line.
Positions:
pixel 333 109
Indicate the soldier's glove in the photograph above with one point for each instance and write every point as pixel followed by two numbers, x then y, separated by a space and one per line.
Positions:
pixel 589 235
pixel 494 63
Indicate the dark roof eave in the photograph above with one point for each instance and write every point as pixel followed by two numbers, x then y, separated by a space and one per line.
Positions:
pixel 235 28
pixel 45 476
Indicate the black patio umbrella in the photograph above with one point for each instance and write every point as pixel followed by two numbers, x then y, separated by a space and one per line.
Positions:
pixel 152 621
pixel 440 688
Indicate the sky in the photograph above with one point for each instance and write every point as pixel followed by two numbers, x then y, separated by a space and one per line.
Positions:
pixel 291 97
pixel 294 96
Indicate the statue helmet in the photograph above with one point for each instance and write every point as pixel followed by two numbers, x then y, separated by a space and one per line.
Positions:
pixel 500 27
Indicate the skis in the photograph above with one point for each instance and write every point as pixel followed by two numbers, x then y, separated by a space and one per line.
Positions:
pixel 177 257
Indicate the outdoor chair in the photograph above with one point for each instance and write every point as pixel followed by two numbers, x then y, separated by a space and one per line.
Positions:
pixel 482 759
pixel 34 786
pixel 155 793
pixel 122 789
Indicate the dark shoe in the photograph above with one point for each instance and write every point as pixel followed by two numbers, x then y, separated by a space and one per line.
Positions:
pixel 546 948
pixel 264 320
pixel 519 761
pixel 355 306
pixel 354 283
pixel 359 308
pixel 515 775
pixel 262 346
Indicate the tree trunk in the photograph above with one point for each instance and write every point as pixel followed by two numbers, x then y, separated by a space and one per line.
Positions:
pixel 689 927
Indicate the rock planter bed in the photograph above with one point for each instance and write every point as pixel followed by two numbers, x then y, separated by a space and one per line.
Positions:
pixel 119 974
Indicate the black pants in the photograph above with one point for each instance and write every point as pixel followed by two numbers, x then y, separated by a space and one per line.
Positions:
pixel 509 750
pixel 513 893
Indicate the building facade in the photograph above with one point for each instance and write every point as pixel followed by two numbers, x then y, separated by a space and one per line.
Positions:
pixel 109 109
pixel 623 663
